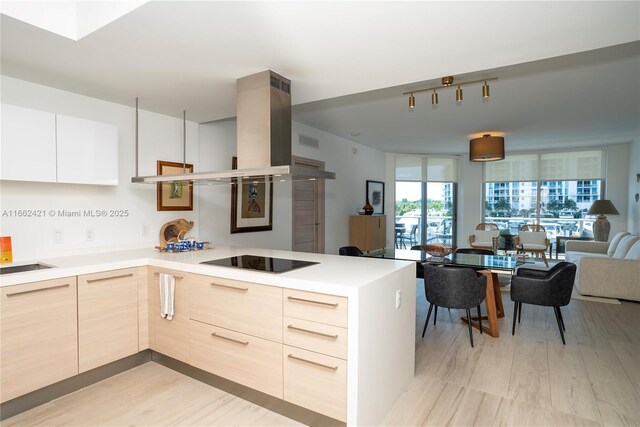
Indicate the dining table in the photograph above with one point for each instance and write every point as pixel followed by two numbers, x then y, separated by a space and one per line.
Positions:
pixel 488 265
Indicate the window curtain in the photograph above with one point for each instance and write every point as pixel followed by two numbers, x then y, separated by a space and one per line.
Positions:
pixel 426 168
pixel 573 165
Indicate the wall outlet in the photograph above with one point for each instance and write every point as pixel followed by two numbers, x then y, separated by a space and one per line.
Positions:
pixel 398 298
pixel 57 236
pixel 89 234
pixel 144 231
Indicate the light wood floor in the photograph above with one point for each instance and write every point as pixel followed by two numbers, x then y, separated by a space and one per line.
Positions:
pixel 529 379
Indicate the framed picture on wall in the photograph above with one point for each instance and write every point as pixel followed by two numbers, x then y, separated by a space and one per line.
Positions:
pixel 251 205
pixel 375 195
pixel 174 195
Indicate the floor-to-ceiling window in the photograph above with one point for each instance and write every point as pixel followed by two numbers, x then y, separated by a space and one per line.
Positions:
pixel 425 208
pixel 551 189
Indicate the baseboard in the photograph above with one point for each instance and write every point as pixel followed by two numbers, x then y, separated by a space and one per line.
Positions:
pixel 46 394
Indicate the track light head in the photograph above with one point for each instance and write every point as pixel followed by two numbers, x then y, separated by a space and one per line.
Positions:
pixel 485 90
pixel 459 94
pixel 412 102
pixel 434 98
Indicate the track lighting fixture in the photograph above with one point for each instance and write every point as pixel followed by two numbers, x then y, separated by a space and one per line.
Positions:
pixel 448 81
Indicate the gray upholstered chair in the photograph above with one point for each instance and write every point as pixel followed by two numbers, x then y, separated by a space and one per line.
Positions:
pixel 350 251
pixel 550 288
pixel 453 287
pixel 419 266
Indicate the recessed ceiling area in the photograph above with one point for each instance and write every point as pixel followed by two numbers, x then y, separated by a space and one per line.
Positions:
pixel 350 62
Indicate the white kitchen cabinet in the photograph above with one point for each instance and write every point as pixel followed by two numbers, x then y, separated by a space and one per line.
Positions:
pixel 107 317
pixel 39 326
pixel 87 151
pixel 28 145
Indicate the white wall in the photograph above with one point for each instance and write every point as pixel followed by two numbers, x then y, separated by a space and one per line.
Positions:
pixel 160 139
pixel 343 196
pixel 633 222
pixel 617 185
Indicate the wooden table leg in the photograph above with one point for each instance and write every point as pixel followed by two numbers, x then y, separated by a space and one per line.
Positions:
pixel 490 302
pixel 497 294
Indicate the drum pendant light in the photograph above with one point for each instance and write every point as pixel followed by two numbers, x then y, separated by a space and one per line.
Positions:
pixel 486 149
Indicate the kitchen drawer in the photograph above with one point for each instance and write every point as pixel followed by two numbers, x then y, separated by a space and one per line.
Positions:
pixel 323 308
pixel 240 306
pixel 247 360
pixel 319 337
pixel 316 382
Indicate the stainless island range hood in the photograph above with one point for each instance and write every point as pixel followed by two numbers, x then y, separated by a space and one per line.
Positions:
pixel 263 137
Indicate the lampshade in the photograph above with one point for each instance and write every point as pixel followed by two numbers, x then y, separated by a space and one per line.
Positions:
pixel 603 207
pixel 486 149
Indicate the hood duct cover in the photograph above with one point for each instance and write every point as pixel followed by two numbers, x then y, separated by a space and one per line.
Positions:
pixel 263 137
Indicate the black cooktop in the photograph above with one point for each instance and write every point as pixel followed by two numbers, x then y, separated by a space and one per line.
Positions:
pixel 260 263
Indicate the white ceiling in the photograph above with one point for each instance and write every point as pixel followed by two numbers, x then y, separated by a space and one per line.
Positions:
pixel 187 55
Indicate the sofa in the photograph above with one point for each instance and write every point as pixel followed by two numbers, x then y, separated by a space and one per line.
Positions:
pixel 607 269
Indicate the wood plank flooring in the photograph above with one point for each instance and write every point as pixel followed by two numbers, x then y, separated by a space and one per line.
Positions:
pixel 529 379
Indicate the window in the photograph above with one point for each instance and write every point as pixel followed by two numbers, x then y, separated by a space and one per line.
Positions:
pixel 553 189
pixel 425 200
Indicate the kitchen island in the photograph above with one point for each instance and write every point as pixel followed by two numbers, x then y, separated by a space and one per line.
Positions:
pixel 380 318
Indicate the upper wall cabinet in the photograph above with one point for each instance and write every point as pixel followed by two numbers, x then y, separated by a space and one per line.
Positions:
pixel 87 151
pixel 28 145
pixel 45 147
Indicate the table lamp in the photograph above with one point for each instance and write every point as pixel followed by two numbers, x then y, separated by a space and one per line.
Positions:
pixel 602 226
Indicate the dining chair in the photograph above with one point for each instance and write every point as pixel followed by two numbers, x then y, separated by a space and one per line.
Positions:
pixel 482 237
pixel 350 251
pixel 419 266
pixel 412 238
pixel 533 238
pixel 551 288
pixel 453 287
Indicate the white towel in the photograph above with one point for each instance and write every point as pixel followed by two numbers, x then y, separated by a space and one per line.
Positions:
pixel 167 291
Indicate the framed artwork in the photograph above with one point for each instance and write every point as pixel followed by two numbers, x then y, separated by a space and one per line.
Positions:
pixel 251 205
pixel 174 195
pixel 375 195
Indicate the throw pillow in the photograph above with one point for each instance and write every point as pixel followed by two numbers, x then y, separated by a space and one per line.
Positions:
pixel 634 252
pixel 532 237
pixel 616 241
pixel 624 245
pixel 486 235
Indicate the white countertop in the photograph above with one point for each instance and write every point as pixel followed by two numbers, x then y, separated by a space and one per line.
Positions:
pixel 338 275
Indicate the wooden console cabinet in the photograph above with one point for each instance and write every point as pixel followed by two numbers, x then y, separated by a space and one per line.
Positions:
pixel 368 232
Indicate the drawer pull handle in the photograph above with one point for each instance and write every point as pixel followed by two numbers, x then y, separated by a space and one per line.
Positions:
pixel 311 362
pixel 66 285
pixel 295 328
pixel 229 287
pixel 110 278
pixel 213 334
pixel 175 277
pixel 330 304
